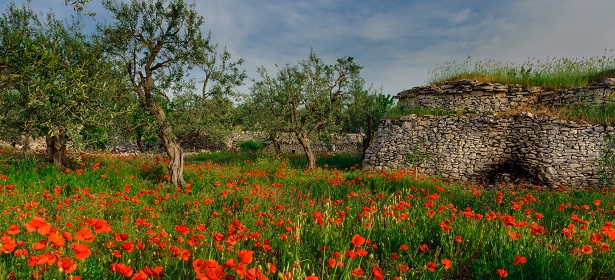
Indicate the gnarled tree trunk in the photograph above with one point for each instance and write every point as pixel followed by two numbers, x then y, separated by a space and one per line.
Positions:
pixel 56 147
pixel 176 163
pixel 307 148
pixel 174 150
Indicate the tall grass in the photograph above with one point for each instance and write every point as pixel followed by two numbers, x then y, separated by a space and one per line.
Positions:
pixel 552 72
pixel 293 223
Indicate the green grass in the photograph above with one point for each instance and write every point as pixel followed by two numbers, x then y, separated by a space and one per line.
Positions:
pixel 548 73
pixel 296 220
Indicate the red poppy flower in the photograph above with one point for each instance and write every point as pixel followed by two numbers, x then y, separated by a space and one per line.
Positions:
pixel 502 273
pixel 431 266
pixel 38 246
pixel 121 269
pixel 85 234
pixel 57 239
pixel 358 272
pixel 519 260
pixel 289 276
pixel 245 256
pixel 423 247
pixel 182 229
pixel 67 265
pixel 128 246
pixel 446 263
pixel 82 251
pixel 587 250
pixel 101 226
pixel 377 273
pixel 358 240
pixel 13 229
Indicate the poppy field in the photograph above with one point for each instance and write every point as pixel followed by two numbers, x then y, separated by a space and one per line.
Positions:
pixel 260 217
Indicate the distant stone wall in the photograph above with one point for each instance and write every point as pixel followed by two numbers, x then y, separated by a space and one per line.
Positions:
pixel 487 150
pixel 340 143
pixel 474 96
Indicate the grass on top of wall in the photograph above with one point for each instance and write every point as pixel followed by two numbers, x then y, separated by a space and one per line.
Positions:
pixel 549 73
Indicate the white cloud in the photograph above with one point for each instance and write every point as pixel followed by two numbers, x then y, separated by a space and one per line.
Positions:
pixel 398 42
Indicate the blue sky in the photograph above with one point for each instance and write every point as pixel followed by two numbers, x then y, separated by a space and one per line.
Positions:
pixel 398 42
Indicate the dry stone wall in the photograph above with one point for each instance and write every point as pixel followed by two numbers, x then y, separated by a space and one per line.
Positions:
pixel 474 96
pixel 487 149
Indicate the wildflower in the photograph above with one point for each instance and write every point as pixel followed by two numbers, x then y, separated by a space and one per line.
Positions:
pixel 182 229
pixel 13 229
pixel 587 249
pixel 519 260
pixel 101 226
pixel 446 263
pixel 458 238
pixel 403 247
pixel 82 251
pixel 604 246
pixel 431 266
pixel 514 235
pixel 67 265
pixel 85 234
pixel 121 269
pixel 38 246
pixel 332 262
pixel 502 272
pixel 127 246
pixel 57 239
pixel 358 240
pixel 245 256
pixel 403 268
pixel 423 247
pixel 311 277
pixel 358 272
pixel 377 273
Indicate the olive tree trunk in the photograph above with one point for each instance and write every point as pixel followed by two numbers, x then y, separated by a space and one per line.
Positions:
pixel 56 148
pixel 173 148
pixel 307 148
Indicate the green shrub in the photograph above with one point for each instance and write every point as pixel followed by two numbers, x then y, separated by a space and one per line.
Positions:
pixel 251 145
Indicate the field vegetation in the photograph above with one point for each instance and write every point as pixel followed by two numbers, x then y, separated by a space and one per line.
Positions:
pixel 550 73
pixel 254 216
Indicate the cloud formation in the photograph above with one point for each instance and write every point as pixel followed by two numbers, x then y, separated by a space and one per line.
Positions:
pixel 398 42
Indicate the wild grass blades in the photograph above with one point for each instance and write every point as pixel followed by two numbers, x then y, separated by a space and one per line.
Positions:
pixel 265 219
pixel 550 73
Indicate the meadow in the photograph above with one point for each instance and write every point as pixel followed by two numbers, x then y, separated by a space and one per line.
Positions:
pixel 256 216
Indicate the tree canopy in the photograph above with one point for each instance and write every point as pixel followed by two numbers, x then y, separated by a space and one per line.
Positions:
pixel 306 98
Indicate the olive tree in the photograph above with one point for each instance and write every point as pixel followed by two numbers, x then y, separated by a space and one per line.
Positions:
pixel 55 80
pixel 363 114
pixel 156 44
pixel 306 98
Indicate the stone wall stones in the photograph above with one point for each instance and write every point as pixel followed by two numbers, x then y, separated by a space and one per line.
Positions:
pixel 474 96
pixel 487 150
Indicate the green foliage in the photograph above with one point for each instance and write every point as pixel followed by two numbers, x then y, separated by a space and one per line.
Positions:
pixel 158 43
pixel 606 161
pixel 306 99
pixel 418 156
pixel 602 113
pixel 251 145
pixel 288 216
pixel 550 73
pixel 55 80
pixel 363 113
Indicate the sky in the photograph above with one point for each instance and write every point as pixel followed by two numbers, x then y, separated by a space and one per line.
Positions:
pixel 397 42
